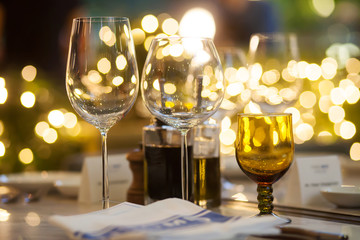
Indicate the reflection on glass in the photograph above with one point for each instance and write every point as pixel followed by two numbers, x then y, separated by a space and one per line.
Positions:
pixel 274 72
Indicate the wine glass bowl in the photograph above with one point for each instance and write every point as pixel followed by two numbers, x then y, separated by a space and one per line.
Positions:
pixel 102 75
pixel 273 68
pixel 182 80
pixel 182 85
pixel 264 151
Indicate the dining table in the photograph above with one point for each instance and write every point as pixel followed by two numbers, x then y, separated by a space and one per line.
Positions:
pixel 30 220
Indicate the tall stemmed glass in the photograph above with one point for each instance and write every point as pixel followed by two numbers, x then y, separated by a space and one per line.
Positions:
pixel 182 85
pixel 264 151
pixel 102 76
pixel 274 80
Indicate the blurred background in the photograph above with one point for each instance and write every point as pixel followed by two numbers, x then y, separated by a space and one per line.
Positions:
pixel 40 131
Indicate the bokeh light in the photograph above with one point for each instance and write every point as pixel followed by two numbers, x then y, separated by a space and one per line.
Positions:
pixel 26 156
pixel 149 23
pixel 28 99
pixel 197 22
pixel 29 73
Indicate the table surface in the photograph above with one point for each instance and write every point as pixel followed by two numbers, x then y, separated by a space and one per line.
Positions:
pixel 30 220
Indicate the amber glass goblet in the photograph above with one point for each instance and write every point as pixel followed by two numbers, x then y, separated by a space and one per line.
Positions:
pixel 264 152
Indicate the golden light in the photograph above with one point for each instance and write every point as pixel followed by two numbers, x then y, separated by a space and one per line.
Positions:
pixel 133 79
pixel 104 65
pixel 324 8
pixel 169 88
pixel 56 118
pixel 352 94
pixel 234 89
pixel 70 120
pixel 170 26
pixel 41 127
pixel 336 114
pixel 346 83
pixel 74 131
pixel 347 130
pixel 355 151
pixel 26 156
pixel 94 76
pixel 117 81
pixel 304 131
pixel 325 137
pixel 2 149
pixel 302 69
pixel 147 42
pixel 329 68
pixel 353 65
pixel 240 197
pixel 325 104
pixel 4 215
pixel 313 72
pixel 197 22
pixel 325 87
pixel 295 114
pixel 50 135
pixel 32 219
pixel 156 85
pixel 121 62
pixel 227 150
pixel 242 74
pixel 270 77
pixel 227 136
pixel 252 107
pixel 338 96
pixel 28 99
pixel 149 23
pixel 138 35
pixel 1 127
pixel 29 73
pixel 307 99
pixel 3 95
pixel 226 123
pixel 107 36
pixel 255 75
pixel 176 50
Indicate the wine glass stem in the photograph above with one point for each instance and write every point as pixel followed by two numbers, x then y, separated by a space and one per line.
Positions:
pixel 265 198
pixel 105 175
pixel 185 166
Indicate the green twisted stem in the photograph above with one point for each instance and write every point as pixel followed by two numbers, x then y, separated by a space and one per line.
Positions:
pixel 265 199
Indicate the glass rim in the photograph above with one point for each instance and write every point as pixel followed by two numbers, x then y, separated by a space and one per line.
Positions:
pixel 273 114
pixel 175 37
pixel 273 35
pixel 101 19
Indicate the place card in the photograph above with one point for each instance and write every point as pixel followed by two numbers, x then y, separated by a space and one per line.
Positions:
pixel 308 175
pixel 120 178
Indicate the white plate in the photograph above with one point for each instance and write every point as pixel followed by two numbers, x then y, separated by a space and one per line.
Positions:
pixel 343 196
pixel 68 187
pixel 35 181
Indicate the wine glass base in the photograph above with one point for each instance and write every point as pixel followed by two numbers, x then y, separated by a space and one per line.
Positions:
pixel 284 219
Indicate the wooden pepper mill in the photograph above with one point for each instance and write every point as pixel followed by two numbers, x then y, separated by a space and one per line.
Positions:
pixel 135 193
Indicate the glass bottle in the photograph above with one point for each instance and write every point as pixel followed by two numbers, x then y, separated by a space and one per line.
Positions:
pixel 206 165
pixel 162 161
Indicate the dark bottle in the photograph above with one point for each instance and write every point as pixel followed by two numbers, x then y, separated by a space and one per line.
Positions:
pixel 162 165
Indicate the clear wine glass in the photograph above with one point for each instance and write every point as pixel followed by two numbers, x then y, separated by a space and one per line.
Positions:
pixel 273 67
pixel 234 62
pixel 264 151
pixel 102 76
pixel 183 85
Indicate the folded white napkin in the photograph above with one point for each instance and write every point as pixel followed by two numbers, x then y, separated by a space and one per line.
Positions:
pixel 167 219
